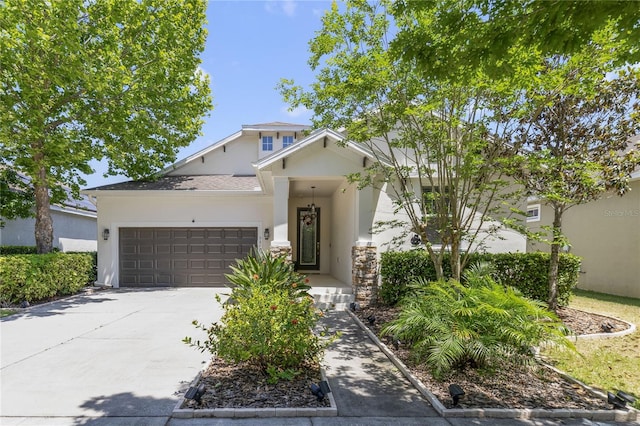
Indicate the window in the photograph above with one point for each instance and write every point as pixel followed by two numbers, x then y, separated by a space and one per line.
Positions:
pixel 267 143
pixel 533 213
pixel 287 141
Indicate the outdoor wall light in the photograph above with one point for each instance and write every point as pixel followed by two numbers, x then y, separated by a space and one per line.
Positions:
pixel 196 392
pixel 415 240
pixel 266 233
pixel 456 393
pixel 105 234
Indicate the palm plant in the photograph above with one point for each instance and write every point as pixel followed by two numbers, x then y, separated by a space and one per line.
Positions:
pixel 450 325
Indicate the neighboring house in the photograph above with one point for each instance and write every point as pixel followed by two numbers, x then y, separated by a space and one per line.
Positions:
pixel 74 226
pixel 276 186
pixel 605 234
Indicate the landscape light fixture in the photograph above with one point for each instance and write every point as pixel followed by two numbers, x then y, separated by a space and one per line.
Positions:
pixel 456 393
pixel 320 391
pixel 395 342
pixel 372 319
pixel 617 401
pixel 195 392
pixel 105 234
pixel 354 306
pixel 624 395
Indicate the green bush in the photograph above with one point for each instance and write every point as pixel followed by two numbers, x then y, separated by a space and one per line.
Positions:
pixel 35 277
pixel 4 250
pixel 527 272
pixel 269 319
pixel 450 326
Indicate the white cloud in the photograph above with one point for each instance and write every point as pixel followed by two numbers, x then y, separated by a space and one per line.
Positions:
pixel 288 7
pixel 297 112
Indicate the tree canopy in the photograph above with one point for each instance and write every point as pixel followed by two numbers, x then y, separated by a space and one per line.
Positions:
pixel 452 36
pixel 114 80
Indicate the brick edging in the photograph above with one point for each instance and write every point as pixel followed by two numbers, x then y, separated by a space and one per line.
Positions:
pixel 515 413
pixel 191 413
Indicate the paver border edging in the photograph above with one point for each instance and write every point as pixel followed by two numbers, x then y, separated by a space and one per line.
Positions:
pixel 190 413
pixel 516 413
pixel 630 329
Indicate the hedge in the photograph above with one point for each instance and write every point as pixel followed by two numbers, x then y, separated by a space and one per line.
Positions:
pixel 527 272
pixel 18 250
pixel 35 277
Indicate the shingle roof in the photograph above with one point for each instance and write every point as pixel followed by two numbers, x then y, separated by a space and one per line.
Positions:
pixel 188 183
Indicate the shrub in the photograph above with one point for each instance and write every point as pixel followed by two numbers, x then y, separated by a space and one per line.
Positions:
pixel 449 325
pixel 528 272
pixel 269 319
pixel 35 277
pixel 5 250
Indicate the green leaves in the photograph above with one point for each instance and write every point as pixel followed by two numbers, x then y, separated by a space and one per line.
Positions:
pixel 107 79
pixel 450 326
pixel 269 320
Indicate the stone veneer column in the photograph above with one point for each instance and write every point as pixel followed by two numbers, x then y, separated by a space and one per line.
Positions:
pixel 365 274
pixel 284 251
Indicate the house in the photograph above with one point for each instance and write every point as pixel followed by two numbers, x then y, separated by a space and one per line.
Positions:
pixel 74 226
pixel 276 186
pixel 605 234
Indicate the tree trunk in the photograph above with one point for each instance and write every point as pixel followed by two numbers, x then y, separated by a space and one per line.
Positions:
pixel 44 223
pixel 555 259
pixel 455 257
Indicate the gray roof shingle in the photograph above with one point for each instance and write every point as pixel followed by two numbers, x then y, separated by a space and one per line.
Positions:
pixel 188 183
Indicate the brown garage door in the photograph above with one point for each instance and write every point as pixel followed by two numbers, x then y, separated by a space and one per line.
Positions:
pixel 181 257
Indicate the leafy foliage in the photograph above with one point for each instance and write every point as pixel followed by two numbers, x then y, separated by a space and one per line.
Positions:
pixel 423 133
pixel 450 326
pixel 36 277
pixel 269 319
pixel 464 36
pixel 527 272
pixel 92 80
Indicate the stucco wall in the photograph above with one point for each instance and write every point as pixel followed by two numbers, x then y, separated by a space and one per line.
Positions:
pixel 235 158
pixel 66 226
pixel 606 235
pixel 343 231
pixel 174 210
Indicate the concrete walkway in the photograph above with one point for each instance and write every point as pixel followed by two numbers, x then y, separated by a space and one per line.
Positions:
pixel 115 357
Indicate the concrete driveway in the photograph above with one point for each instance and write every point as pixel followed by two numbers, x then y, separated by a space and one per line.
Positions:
pixel 113 354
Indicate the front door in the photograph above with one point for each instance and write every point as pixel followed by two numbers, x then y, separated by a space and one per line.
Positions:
pixel 308 239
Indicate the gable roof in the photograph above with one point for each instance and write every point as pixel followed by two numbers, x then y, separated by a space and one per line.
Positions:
pixel 312 138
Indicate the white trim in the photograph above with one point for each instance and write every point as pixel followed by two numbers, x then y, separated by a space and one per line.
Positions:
pixel 534 218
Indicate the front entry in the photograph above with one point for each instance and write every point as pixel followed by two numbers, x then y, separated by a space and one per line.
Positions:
pixel 308 239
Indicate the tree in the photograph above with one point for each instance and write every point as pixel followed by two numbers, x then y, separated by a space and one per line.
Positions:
pixel 431 138
pixel 483 33
pixel 574 143
pixel 91 80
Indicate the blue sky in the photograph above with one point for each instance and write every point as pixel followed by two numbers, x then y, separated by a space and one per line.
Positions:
pixel 251 45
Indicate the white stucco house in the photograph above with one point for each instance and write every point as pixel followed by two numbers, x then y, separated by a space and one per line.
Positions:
pixel 275 186
pixel 74 226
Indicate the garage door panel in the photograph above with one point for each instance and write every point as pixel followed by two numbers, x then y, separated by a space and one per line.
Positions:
pixel 198 257
pixel 197 248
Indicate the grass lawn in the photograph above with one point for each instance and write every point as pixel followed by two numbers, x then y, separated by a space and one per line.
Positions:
pixel 6 312
pixel 609 363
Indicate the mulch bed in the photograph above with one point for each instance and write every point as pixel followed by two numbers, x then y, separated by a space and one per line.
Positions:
pixel 533 386
pixel 243 386
pixel 231 385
